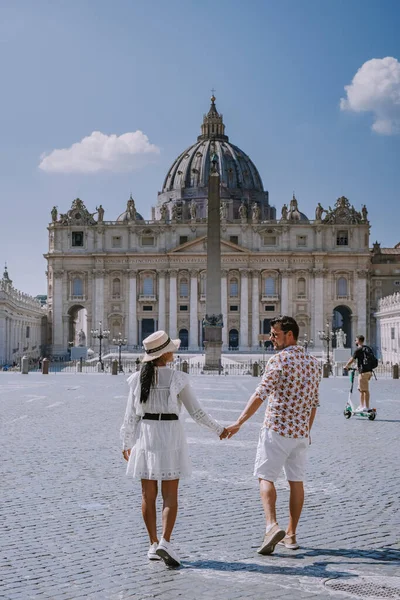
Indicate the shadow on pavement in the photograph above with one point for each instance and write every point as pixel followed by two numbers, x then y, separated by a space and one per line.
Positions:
pixel 384 555
pixel 315 570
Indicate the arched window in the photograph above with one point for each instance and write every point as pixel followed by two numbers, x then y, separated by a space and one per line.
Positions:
pixel 269 286
pixel 77 286
pixel 184 288
pixel 301 287
pixel 234 288
pixel 342 286
pixel 116 287
pixel 148 286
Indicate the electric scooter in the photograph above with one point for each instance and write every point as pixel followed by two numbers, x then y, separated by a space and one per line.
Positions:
pixel 349 410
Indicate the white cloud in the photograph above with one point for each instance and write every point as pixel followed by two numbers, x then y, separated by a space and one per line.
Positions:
pixel 376 88
pixel 101 152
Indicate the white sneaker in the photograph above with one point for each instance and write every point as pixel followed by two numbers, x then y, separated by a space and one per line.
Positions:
pixel 168 554
pixel 152 552
pixel 359 408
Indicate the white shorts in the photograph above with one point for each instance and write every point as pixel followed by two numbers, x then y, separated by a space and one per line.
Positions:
pixel 275 452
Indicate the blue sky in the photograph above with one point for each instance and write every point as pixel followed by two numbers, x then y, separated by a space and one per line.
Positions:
pixel 69 68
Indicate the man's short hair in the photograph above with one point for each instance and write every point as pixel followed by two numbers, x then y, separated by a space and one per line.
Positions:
pixel 361 338
pixel 287 324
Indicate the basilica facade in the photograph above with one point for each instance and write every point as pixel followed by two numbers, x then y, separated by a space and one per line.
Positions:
pixel 135 275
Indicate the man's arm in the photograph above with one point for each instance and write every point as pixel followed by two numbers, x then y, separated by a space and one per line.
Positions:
pixel 312 417
pixel 251 407
pixel 265 388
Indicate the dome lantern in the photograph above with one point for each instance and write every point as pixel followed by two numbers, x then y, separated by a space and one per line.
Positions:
pixel 213 125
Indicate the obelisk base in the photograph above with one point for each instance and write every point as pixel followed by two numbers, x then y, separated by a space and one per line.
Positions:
pixel 213 348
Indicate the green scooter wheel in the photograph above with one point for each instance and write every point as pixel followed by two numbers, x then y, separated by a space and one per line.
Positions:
pixel 372 416
pixel 347 413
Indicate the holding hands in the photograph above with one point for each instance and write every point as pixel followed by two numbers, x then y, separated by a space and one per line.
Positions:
pixel 229 431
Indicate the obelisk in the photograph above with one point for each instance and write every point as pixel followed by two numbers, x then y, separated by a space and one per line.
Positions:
pixel 213 322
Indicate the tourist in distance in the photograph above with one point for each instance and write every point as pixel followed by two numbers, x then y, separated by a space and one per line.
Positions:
pixel 366 363
pixel 154 442
pixel 290 385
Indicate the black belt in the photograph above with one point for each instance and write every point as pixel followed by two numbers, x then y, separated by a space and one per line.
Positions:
pixel 160 417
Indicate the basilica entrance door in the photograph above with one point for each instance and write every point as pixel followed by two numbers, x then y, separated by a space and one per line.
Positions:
pixel 147 328
pixel 233 339
pixel 184 337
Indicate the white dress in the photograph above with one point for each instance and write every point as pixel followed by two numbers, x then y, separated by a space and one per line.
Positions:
pixel 159 449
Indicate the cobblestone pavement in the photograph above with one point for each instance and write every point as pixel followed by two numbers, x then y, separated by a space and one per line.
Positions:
pixel 70 519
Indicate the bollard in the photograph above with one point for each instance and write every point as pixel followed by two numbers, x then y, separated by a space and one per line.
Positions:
pixel 255 369
pixel 24 365
pixel 45 366
pixel 395 371
pixel 185 366
pixel 99 367
pixel 79 367
pixel 114 367
pixel 325 370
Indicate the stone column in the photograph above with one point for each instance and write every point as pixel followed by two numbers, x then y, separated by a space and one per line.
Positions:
pixel 285 289
pixel 161 301
pixel 318 321
pixel 194 319
pixel 224 308
pixel 132 308
pixel 361 296
pixel 98 277
pixel 255 309
pixel 244 310
pixel 57 313
pixel 173 304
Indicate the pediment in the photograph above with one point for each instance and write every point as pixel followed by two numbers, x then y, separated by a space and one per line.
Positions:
pixel 199 246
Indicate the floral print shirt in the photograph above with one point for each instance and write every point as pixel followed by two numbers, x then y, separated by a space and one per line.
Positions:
pixel 290 384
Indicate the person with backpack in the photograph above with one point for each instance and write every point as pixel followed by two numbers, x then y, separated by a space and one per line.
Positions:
pixel 366 363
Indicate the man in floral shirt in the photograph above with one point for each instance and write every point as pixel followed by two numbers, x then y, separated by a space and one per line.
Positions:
pixel 290 388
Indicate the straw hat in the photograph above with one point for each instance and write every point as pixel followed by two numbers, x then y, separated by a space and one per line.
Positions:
pixel 157 344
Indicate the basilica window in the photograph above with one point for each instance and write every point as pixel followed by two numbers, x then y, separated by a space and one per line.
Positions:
pixel 234 288
pixel 342 238
pixel 301 287
pixel 28 331
pixel 77 286
pixel 269 286
pixel 183 239
pixel 301 241
pixel 116 288
pixel 77 239
pixel 234 239
pixel 269 240
pixel 184 288
pixel 147 240
pixel 342 287
pixel 148 286
pixel 117 241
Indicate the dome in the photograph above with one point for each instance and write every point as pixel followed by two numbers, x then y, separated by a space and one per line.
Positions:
pixel 130 214
pixel 191 169
pixel 125 217
pixel 187 179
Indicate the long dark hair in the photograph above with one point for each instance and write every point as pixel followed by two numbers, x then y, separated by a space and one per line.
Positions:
pixel 147 379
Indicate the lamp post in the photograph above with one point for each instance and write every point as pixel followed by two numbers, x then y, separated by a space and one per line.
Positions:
pixel 327 336
pixel 306 343
pixel 120 341
pixel 100 334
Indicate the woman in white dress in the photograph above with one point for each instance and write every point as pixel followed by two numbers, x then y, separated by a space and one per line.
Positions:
pixel 154 441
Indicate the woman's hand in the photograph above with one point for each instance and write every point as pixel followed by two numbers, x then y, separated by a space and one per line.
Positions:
pixel 126 454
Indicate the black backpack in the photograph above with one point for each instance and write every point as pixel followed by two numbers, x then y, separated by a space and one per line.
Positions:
pixel 369 361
